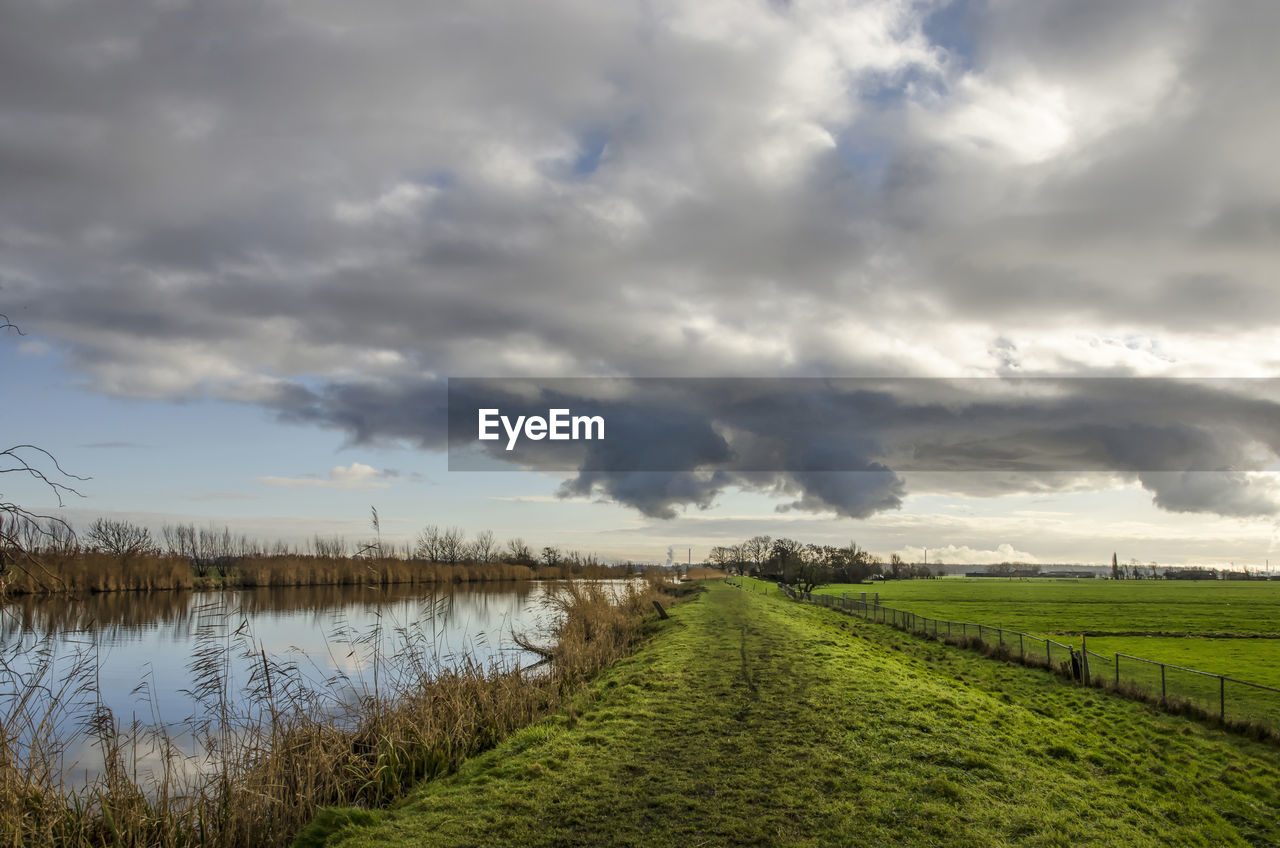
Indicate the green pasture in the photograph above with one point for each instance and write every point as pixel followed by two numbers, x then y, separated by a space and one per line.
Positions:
pixel 1223 627
pixel 1096 607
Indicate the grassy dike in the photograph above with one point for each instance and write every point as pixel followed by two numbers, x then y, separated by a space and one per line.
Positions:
pixel 751 720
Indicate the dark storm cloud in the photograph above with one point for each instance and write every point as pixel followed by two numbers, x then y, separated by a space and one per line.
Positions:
pixel 416 412
pixel 849 446
pixel 328 208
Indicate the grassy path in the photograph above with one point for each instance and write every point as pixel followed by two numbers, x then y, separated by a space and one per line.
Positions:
pixel 749 720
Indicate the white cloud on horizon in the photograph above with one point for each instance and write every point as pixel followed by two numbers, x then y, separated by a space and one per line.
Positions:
pixel 964 555
pixel 357 475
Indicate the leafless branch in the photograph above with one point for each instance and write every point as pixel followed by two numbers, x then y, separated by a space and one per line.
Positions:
pixel 20 465
pixel 6 324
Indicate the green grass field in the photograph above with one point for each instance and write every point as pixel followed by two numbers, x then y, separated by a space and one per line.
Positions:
pixel 750 720
pixel 1111 607
pixel 1147 618
pixel 1227 628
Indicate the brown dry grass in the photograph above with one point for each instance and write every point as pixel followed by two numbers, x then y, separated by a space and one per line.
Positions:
pixel 97 572
pixel 253 572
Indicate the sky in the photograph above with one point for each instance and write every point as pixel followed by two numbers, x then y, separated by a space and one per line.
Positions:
pixel 248 243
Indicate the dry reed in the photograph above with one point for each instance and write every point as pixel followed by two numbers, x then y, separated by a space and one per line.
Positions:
pixel 98 572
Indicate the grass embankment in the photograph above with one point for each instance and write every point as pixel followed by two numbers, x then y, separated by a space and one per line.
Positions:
pixel 751 720
pixel 287 746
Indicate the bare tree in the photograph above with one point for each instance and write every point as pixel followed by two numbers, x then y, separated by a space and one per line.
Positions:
pixel 485 547
pixel 120 538
pixel 209 549
pixel 453 545
pixel 428 545
pixel 59 539
pixel 19 522
pixel 755 551
pixel 279 548
pixel 334 547
pixel 518 553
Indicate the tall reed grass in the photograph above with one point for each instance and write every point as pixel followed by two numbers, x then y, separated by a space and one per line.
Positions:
pixel 269 757
pixel 94 572
pixel 99 572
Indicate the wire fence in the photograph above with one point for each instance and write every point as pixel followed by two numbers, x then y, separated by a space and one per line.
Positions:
pixel 1205 693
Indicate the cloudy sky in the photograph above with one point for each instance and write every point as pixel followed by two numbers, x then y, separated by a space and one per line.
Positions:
pixel 249 241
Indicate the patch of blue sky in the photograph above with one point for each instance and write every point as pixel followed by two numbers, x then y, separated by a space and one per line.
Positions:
pixel 437 178
pixel 889 91
pixel 138 449
pixel 207 459
pixel 952 26
pixel 591 148
pixel 864 157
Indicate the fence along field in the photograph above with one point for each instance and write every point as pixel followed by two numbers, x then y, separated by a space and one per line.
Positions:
pixel 1237 624
pixel 1232 628
pixel 1094 607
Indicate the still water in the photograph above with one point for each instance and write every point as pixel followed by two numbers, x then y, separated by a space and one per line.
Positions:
pixel 144 655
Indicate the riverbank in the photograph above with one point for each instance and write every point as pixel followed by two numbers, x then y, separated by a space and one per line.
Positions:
pixel 260 755
pixel 751 720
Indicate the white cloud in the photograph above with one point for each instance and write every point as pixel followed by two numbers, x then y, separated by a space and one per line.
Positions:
pixel 357 475
pixel 964 555
pixel 403 200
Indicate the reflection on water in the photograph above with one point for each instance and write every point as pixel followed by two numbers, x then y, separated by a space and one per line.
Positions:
pixel 140 652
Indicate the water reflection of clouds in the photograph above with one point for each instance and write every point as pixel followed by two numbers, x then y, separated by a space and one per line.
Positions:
pixel 328 638
pixel 324 629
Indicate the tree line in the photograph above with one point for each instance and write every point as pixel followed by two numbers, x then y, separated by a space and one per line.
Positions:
pixel 212 549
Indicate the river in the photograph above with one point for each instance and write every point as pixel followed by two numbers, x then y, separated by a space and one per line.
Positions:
pixel 166 659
